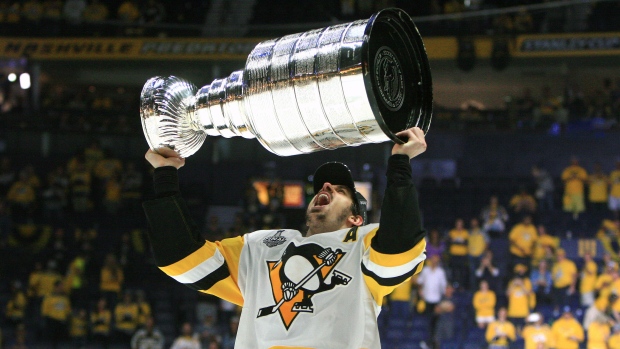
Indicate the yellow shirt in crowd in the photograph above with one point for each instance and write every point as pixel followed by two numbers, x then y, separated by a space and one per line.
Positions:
pixel 111 281
pixel 542 242
pixel 518 301
pixel 113 190
pixel 484 303
pixel 597 335
pixel 607 287
pixel 573 177
pixel 107 168
pixel 614 341
pixel 607 234
pixel 41 284
pixel 522 238
pixel 603 281
pixel 476 243
pixel 16 306
pixel 458 242
pixel 78 328
pixel 523 201
pixel 56 307
pixel 563 273
pixel 126 316
pixel 100 322
pixel 496 329
pixel 614 178
pixel 588 277
pixel 598 184
pixel 21 193
pixel 144 312
pixel 563 329
pixel 128 12
pixel 534 335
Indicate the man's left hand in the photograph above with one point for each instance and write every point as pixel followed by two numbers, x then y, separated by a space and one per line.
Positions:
pixel 415 145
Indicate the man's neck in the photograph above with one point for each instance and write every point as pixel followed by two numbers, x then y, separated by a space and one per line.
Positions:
pixel 321 230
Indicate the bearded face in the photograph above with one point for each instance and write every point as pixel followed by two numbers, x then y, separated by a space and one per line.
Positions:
pixel 329 209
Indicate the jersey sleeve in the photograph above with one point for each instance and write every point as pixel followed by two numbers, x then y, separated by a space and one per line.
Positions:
pixel 180 251
pixel 383 272
pixel 212 269
pixel 395 250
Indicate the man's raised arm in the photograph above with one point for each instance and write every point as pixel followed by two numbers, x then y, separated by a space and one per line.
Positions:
pixel 400 227
pixel 178 248
pixel 397 248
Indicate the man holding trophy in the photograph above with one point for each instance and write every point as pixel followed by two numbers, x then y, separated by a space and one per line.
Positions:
pixel 346 85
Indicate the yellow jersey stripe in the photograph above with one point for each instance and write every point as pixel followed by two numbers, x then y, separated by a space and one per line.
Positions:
pixel 231 250
pixel 379 291
pixel 369 236
pixel 191 261
pixel 228 290
pixel 393 272
pixel 394 260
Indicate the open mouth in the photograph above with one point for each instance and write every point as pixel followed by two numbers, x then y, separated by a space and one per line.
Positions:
pixel 322 199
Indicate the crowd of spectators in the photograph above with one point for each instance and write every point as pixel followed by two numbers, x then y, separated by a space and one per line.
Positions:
pixel 76 265
pixel 566 110
pixel 52 18
pixel 583 17
pixel 77 234
pixel 160 18
pixel 110 109
pixel 90 109
pixel 518 280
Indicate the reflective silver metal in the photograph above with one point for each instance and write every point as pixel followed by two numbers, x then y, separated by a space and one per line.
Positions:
pixel 343 85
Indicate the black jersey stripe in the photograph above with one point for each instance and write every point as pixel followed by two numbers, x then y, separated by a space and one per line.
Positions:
pixel 208 281
pixel 393 281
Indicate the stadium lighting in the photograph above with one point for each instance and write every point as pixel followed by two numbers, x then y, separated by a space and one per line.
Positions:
pixel 12 77
pixel 24 81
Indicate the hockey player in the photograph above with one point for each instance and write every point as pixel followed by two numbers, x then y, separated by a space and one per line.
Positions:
pixel 322 290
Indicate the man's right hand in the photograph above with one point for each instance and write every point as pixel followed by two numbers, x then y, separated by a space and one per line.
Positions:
pixel 164 157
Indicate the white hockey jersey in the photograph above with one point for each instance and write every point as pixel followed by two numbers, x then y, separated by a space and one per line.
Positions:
pixel 335 283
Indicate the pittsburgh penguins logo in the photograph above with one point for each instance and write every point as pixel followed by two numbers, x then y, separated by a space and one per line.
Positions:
pixel 302 272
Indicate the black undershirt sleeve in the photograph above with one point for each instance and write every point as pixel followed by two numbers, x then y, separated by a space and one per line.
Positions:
pixel 400 226
pixel 166 181
pixel 172 232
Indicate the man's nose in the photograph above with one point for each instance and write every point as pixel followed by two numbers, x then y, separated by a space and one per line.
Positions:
pixel 327 187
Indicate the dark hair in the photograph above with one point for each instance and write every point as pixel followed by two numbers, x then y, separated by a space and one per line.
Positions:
pixel 355 208
pixel 355 205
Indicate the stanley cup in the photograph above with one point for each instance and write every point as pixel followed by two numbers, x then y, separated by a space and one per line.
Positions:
pixel 343 85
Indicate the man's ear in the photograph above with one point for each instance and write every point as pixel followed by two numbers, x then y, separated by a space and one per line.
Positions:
pixel 356 220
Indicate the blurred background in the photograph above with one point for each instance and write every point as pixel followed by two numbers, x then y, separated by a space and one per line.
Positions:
pixel 526 124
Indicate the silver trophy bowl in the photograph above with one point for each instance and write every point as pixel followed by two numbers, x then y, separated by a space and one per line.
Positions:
pixel 343 85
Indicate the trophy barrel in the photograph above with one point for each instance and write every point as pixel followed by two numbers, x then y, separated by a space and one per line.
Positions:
pixel 343 85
